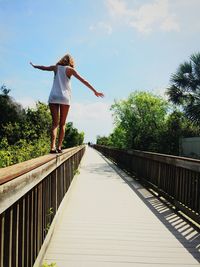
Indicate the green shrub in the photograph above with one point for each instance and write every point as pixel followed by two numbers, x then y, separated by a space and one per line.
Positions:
pixel 23 150
pixel 53 264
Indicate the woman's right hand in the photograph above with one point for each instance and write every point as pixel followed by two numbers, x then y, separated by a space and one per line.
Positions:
pixel 98 94
pixel 32 64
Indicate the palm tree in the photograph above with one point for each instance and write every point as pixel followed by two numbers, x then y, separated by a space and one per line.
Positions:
pixel 185 88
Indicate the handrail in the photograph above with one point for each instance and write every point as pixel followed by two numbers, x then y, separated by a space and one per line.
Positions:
pixel 187 163
pixel 175 178
pixel 30 195
pixel 13 171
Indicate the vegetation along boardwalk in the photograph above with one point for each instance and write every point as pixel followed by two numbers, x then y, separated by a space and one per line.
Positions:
pixel 110 220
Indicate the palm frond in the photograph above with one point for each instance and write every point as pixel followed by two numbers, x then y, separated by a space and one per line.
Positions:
pixel 179 80
pixel 185 77
pixel 185 68
pixel 185 87
pixel 193 112
pixel 175 94
pixel 195 59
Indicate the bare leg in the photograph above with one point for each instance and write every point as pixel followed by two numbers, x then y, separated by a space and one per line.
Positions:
pixel 54 108
pixel 64 109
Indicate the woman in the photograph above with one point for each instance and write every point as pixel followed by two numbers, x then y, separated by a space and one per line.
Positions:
pixel 60 96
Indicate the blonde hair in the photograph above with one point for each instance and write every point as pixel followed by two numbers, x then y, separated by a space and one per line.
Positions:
pixel 67 60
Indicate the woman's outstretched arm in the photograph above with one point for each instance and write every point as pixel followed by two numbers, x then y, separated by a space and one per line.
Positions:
pixel 75 74
pixel 49 68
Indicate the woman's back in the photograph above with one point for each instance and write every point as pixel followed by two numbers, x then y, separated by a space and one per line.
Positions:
pixel 61 89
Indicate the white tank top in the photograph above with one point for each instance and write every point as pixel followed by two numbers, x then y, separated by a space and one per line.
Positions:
pixel 61 89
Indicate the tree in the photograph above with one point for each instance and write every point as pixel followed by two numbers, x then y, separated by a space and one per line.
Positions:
pixel 38 121
pixel 103 140
pixel 10 110
pixel 147 122
pixel 25 134
pixel 176 127
pixel 72 136
pixel 118 137
pixel 140 118
pixel 34 124
pixel 185 87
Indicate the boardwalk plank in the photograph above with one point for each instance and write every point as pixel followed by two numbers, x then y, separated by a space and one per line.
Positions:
pixel 111 220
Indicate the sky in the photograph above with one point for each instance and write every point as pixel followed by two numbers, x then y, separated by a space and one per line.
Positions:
pixel 119 46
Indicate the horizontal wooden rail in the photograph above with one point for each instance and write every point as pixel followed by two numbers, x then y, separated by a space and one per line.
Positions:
pixel 30 195
pixel 175 178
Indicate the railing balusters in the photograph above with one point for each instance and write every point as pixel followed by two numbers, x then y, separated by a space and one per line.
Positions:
pixel 25 223
pixel 176 178
pixel 6 236
pixel 32 226
pixel 2 224
pixel 197 193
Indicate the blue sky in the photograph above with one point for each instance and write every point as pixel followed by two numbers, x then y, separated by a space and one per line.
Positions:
pixel 119 45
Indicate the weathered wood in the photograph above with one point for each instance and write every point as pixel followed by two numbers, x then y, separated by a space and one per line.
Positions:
pixel 7 233
pixel 18 186
pixel 11 172
pixel 111 220
pixel 27 195
pixel 175 178
pixel 187 163
pixel 2 219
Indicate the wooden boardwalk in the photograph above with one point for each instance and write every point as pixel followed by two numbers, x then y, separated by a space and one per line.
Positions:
pixel 110 220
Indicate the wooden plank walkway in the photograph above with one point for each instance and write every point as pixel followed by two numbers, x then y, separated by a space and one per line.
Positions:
pixel 111 220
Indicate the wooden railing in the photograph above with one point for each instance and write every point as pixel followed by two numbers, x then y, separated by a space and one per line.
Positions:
pixel 30 195
pixel 175 178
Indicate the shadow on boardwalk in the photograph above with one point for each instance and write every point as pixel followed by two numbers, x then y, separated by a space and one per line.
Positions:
pixel 184 232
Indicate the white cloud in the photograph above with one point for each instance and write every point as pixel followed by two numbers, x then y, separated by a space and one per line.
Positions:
pixel 160 91
pixel 27 102
pixel 170 24
pixel 92 118
pixel 101 27
pixel 147 17
pixel 117 7
pixel 150 16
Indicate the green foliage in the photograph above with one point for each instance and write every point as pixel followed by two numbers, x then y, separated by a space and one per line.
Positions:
pixel 185 88
pixel 25 134
pixel 11 112
pixel 76 172
pixel 45 264
pixel 176 127
pixel 118 137
pixel 22 150
pixel 40 117
pixel 5 91
pixel 139 121
pixel 50 212
pixel 103 140
pixel 72 136
pixel 143 122
pixel 49 216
